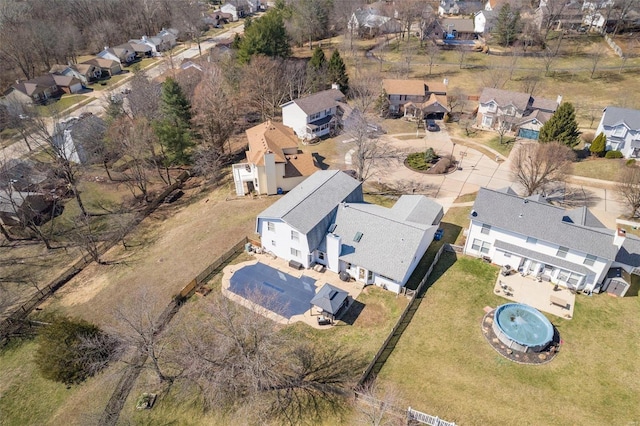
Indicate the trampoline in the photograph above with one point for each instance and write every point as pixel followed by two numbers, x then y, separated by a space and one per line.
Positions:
pixel 285 294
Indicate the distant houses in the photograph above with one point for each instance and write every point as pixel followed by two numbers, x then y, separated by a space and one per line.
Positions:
pixel 621 127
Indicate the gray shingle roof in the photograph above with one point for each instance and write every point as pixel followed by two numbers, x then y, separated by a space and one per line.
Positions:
pixel 388 243
pixel 314 201
pixel 629 253
pixel 330 299
pixel 505 97
pixel 614 116
pixel 319 101
pixel 542 221
pixel 418 209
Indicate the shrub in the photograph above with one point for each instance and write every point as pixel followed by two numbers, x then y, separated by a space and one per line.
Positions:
pixel 71 350
pixel 421 160
pixel 613 154
pixel 598 146
pixel 631 162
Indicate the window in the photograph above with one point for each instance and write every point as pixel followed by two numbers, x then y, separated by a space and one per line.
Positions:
pixel 485 229
pixel 562 252
pixel 295 252
pixel 273 243
pixel 618 131
pixel 487 121
pixel 590 260
pixel 321 255
pixel 531 240
pixel 295 236
pixel 481 246
pixel 569 277
pixel 271 226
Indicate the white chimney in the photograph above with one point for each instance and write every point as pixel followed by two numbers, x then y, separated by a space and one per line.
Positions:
pixel 619 238
pixel 559 99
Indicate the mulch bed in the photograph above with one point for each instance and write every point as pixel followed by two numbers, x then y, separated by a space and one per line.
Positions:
pixel 535 358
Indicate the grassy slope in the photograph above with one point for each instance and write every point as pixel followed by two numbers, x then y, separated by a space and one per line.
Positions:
pixel 444 366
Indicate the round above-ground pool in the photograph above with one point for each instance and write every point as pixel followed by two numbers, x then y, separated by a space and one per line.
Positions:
pixel 522 327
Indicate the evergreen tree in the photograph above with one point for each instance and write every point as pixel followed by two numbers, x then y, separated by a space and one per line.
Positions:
pixel 337 72
pixel 69 350
pixel 507 25
pixel 599 145
pixel 265 36
pixel 317 71
pixel 562 127
pixel 173 130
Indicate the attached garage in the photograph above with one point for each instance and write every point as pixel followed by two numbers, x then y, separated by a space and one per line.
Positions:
pixel 528 133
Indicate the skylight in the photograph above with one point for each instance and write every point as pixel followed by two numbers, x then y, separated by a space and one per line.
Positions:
pixel 358 237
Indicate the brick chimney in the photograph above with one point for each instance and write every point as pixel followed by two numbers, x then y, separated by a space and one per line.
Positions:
pixel 619 238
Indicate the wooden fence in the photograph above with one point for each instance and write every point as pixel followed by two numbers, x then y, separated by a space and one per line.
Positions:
pixel 212 268
pixel 387 347
pixel 14 321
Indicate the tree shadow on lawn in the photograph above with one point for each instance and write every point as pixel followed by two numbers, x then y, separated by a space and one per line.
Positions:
pixel 573 197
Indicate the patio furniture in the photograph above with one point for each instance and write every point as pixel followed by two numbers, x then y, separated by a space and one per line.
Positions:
pixel 295 264
pixel 558 301
pixel 322 320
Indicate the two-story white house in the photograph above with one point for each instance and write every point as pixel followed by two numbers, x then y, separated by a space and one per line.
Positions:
pixel 315 115
pixel 274 162
pixel 621 126
pixel 324 220
pixel 514 111
pixel 571 248
pixel 416 99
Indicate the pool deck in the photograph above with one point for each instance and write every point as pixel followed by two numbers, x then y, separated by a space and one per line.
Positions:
pixel 540 295
pixel 352 287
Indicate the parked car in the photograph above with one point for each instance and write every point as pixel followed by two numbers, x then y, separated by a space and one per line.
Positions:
pixel 431 125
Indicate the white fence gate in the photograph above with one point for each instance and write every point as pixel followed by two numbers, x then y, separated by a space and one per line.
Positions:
pixel 427 419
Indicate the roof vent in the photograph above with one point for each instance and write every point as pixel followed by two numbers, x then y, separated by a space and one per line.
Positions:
pixel 520 215
pixel 474 213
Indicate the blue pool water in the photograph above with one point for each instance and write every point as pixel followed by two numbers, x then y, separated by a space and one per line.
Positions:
pixel 523 325
pixel 275 290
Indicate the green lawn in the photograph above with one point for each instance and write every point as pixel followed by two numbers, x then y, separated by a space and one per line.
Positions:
pixel 110 83
pixel 599 168
pixel 443 365
pixel 66 101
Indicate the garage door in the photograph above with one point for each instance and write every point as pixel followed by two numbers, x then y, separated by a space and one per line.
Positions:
pixel 528 134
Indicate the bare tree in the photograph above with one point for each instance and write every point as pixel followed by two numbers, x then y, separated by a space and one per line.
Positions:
pixel 214 120
pixel 529 84
pixel 457 99
pixel 432 52
pixel 377 406
pixel 51 137
pixel 595 60
pixel 548 57
pixel 263 86
pixel 536 165
pixel 368 149
pixel 628 189
pixel 552 10
pixel 144 99
pixel 365 90
pixel 462 54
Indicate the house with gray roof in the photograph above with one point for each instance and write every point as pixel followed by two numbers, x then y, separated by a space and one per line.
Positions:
pixel 621 126
pixel 80 139
pixel 373 20
pixel 570 248
pixel 315 115
pixel 515 112
pixel 324 220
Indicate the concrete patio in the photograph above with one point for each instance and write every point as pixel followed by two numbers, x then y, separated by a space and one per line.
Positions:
pixel 527 289
pixel 309 317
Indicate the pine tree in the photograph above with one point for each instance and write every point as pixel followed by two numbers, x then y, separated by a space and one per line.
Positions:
pixel 173 130
pixel 265 36
pixel 317 71
pixel 507 25
pixel 562 127
pixel 599 145
pixel 337 72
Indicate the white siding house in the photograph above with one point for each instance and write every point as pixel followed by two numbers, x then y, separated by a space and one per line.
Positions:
pixel 621 126
pixel 313 116
pixel 570 248
pixel 324 220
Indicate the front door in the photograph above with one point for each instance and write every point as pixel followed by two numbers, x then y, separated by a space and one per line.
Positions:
pixel 361 274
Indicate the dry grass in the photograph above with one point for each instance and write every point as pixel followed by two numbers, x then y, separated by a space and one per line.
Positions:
pixel 444 366
pixel 599 168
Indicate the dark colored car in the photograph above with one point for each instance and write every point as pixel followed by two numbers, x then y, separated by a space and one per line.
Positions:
pixel 431 125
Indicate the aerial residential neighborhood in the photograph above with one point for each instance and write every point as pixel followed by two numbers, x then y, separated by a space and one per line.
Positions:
pixel 319 212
